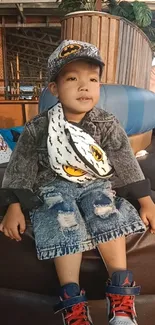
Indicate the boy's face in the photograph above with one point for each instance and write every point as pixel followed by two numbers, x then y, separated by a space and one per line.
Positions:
pixel 78 88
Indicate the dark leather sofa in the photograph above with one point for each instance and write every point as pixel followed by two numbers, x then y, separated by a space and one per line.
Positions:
pixel 28 287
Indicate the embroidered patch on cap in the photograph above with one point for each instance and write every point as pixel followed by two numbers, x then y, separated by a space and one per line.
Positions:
pixel 69 49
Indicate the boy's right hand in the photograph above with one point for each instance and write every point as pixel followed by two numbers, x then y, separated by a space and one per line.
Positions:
pixel 13 223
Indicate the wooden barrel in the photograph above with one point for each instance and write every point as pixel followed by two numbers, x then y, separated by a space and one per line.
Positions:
pixel 125 49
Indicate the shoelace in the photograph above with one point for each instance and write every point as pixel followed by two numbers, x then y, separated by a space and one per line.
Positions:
pixel 77 315
pixel 122 304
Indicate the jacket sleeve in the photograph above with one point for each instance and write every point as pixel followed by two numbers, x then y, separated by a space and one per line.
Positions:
pixel 23 165
pixel 125 163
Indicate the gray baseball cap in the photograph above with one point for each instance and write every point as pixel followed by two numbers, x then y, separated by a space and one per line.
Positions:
pixel 69 51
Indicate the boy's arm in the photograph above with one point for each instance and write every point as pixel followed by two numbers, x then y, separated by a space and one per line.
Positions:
pixel 125 163
pixel 128 170
pixel 13 224
pixel 20 174
pixel 22 168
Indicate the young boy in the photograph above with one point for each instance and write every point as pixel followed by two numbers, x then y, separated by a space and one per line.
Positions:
pixel 67 156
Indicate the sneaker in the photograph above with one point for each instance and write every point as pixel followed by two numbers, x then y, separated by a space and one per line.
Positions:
pixel 120 295
pixel 74 306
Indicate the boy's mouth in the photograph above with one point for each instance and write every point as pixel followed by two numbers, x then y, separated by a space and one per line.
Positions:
pixel 84 99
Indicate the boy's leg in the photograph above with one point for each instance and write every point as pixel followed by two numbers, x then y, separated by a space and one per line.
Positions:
pixel 120 289
pixel 68 268
pixel 113 253
pixel 73 302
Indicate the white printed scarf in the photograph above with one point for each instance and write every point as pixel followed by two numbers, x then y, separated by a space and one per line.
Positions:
pixel 74 154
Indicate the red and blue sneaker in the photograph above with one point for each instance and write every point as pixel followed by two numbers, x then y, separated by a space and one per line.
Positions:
pixel 120 295
pixel 73 306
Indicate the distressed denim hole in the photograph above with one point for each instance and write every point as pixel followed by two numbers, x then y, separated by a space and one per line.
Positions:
pixel 100 210
pixel 67 219
pixel 51 201
pixel 103 205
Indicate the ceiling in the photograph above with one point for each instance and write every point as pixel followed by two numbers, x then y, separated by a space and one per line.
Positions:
pixel 29 13
pixel 32 31
pixel 33 47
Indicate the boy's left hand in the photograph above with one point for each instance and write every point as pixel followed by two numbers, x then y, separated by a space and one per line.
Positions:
pixel 147 214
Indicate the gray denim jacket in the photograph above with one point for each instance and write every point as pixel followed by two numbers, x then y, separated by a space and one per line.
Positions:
pixel 29 164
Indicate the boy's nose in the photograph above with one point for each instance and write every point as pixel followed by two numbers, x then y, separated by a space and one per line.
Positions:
pixel 83 87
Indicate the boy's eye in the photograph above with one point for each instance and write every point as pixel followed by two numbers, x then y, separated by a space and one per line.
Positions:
pixel 71 78
pixel 94 80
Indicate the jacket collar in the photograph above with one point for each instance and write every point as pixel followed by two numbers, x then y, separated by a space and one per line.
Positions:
pixel 98 115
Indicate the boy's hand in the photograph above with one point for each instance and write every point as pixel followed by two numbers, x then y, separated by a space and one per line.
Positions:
pixel 13 223
pixel 147 213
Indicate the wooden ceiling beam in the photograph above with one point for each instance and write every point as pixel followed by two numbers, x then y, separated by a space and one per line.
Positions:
pixel 29 25
pixel 20 10
pixel 45 50
pixel 35 39
pixel 21 54
pixel 43 11
pixel 26 61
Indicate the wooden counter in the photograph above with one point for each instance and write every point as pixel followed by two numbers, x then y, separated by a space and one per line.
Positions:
pixel 16 113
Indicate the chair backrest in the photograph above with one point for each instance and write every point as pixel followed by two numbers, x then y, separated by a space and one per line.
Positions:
pixel 134 107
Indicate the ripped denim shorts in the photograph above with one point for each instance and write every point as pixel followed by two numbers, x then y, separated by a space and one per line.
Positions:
pixel 77 217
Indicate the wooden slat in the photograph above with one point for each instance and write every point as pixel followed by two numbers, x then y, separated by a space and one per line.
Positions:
pixel 85 35
pixel 120 43
pixel 132 57
pixel 113 50
pixel 140 68
pixel 126 55
pixel 146 65
pixel 123 50
pixel 142 63
pixel 138 58
pixel 76 34
pixel 129 55
pixel 104 44
pixel 69 29
pixel 95 30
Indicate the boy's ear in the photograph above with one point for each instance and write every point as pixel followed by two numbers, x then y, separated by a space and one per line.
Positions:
pixel 52 86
